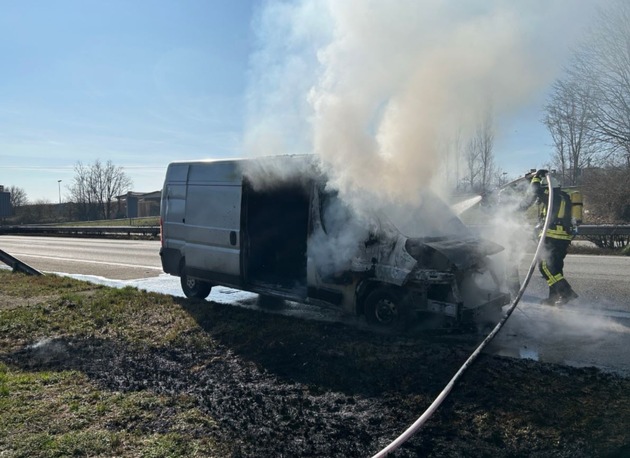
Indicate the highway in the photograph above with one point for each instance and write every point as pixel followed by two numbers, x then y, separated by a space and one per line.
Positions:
pixel 593 331
pixel 115 259
pixel 602 281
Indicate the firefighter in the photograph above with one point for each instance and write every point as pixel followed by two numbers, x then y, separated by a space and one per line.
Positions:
pixel 557 238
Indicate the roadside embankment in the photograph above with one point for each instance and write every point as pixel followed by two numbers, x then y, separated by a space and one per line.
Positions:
pixel 91 370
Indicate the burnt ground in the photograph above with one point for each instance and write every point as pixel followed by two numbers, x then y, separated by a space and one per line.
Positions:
pixel 287 387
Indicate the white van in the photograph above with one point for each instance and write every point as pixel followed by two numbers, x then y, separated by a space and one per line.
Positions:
pixel 270 226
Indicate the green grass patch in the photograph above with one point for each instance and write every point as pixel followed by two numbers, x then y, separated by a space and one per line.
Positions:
pixel 36 308
pixel 22 286
pixel 49 409
pixel 55 414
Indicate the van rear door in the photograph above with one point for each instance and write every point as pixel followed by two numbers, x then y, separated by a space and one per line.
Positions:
pixel 172 214
pixel 173 203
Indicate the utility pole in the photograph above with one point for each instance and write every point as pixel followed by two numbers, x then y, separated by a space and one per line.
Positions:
pixel 59 185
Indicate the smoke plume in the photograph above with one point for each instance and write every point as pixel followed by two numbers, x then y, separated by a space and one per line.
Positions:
pixel 373 87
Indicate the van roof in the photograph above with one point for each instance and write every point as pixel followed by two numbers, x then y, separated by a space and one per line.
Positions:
pixel 285 167
pixel 293 157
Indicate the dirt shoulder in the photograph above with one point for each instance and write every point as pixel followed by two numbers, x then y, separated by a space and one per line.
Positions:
pixel 143 373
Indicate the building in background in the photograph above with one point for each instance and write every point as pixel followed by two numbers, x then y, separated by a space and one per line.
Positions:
pixel 140 204
pixel 5 203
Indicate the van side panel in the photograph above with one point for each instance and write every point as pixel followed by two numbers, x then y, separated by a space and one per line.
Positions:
pixel 213 219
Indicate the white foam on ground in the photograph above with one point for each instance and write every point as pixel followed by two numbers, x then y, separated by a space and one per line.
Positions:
pixel 165 284
pixel 170 285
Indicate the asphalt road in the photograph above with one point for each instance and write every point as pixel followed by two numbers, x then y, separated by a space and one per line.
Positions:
pixel 592 331
pixel 115 259
pixel 601 281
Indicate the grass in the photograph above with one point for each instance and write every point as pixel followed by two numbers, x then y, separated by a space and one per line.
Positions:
pixel 52 414
pixel 29 287
pixel 41 307
pixel 55 413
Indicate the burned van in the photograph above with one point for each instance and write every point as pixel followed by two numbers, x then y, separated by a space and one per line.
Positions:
pixel 272 226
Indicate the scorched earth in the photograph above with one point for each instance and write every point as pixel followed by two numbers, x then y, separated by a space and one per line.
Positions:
pixel 285 386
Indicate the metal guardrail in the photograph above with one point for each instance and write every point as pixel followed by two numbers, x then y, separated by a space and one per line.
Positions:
pixel 17 265
pixel 85 231
pixel 584 229
pixel 154 231
pixel 606 235
pixel 604 229
pixel 612 236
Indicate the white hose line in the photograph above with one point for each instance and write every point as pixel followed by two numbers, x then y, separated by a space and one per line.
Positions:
pixel 405 436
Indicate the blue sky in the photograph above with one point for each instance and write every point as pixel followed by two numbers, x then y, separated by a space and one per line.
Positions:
pixel 138 82
pixel 146 82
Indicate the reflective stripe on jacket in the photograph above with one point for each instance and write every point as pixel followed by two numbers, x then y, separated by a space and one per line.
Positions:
pixel 560 226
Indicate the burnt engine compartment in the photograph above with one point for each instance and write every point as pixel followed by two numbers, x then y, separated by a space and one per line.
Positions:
pixel 475 287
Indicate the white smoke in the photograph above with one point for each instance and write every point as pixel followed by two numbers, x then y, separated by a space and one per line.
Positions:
pixel 379 123
pixel 377 89
pixel 271 171
pixel 373 87
pixel 333 245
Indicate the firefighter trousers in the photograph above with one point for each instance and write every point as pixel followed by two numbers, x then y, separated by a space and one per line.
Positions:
pixel 552 264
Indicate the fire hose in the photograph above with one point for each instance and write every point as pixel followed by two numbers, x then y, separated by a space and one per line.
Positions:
pixel 411 430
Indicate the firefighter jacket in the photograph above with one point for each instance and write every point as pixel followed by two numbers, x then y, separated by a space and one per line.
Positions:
pixel 560 226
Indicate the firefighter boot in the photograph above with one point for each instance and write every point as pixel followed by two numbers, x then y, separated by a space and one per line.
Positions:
pixel 554 296
pixel 566 293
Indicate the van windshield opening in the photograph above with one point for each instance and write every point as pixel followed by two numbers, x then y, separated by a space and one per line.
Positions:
pixel 432 217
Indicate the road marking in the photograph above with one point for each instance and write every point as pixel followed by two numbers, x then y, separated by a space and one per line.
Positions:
pixel 120 264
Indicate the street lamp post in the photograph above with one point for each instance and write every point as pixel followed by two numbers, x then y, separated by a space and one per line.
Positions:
pixel 59 185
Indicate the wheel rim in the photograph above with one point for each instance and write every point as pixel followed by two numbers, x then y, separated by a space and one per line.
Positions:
pixel 385 311
pixel 191 283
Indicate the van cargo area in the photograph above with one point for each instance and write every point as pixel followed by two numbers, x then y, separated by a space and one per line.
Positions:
pixel 272 226
pixel 275 232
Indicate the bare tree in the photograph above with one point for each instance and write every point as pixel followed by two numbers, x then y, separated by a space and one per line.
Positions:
pixel 500 177
pixel 479 156
pixel 472 164
pixel 451 149
pixel 115 182
pixel 41 211
pixel 569 119
pixel 485 134
pixel 18 197
pixel 606 194
pixel 94 188
pixel 588 115
pixel 80 193
pixel 603 61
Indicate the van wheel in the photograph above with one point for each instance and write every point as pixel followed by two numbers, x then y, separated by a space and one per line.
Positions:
pixel 193 288
pixel 383 308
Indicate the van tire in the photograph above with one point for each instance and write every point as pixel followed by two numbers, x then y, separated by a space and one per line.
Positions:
pixel 194 288
pixel 384 308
